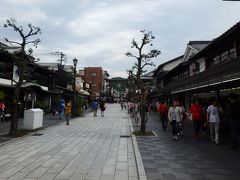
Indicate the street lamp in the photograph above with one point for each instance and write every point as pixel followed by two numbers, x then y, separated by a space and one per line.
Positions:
pixel 75 61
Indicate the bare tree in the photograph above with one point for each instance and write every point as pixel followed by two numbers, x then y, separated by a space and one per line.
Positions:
pixel 143 60
pixel 21 62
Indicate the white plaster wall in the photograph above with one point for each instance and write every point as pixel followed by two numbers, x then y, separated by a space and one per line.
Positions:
pixel 171 65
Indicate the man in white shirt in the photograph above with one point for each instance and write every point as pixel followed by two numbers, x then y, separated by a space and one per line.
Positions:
pixel 214 120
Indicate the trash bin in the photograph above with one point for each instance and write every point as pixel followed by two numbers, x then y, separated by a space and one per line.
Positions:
pixel 33 119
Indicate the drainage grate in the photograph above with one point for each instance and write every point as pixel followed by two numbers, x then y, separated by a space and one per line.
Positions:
pixel 125 136
pixel 37 134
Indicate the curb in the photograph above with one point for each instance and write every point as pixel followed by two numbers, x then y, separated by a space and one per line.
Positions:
pixel 139 162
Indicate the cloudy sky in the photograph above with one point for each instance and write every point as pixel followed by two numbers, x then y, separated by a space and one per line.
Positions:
pixel 99 32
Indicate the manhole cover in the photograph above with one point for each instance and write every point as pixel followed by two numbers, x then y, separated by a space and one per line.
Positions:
pixel 37 134
pixel 124 136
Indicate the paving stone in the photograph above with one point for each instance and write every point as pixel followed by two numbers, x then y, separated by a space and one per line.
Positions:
pixel 133 178
pixel 78 176
pixel 89 148
pixel 18 175
pixel 216 177
pixel 165 170
pixel 108 170
pixel 132 171
pixel 120 175
pixel 169 176
pixel 107 177
pixel 11 172
pixel 154 175
pixel 48 176
pixel 37 173
pixel 183 176
pixel 187 158
pixel 194 171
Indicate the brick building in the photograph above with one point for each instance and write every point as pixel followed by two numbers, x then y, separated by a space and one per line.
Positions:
pixel 95 77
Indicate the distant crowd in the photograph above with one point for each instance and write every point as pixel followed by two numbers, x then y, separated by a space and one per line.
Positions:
pixel 205 116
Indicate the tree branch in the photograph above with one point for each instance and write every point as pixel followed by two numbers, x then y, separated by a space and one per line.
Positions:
pixel 32 42
pixel 31 29
pixel 148 64
pixel 128 54
pixel 14 42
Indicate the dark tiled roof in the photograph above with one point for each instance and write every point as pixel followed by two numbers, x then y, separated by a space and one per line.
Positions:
pixel 199 45
pixel 219 40
pixel 149 74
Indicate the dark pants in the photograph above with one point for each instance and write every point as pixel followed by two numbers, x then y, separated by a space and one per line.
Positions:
pixel 2 115
pixel 235 133
pixel 164 122
pixel 175 127
pixel 197 127
pixel 67 118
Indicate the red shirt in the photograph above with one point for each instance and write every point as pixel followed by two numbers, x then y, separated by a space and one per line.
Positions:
pixel 196 111
pixel 163 110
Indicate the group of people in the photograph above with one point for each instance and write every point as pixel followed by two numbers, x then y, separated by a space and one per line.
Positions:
pixel 202 116
pixel 95 105
pixel 175 115
pixel 65 108
pixel 135 110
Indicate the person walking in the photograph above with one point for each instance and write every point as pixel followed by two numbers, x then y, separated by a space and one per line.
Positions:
pixel 163 114
pixel 174 116
pixel 102 108
pixel 214 120
pixel 68 109
pixel 122 104
pixel 95 107
pixel 148 110
pixel 61 108
pixel 196 113
pixel 136 112
pixel 2 111
pixel 234 116
pixel 183 117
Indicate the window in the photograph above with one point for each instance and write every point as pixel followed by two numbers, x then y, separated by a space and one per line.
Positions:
pixel 224 56
pixel 232 53
pixel 216 60
pixel 94 85
pixel 93 74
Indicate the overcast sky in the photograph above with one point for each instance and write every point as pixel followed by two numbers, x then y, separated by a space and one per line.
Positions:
pixel 99 33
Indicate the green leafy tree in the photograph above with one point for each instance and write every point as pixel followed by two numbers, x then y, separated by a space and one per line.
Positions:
pixel 142 60
pixel 21 60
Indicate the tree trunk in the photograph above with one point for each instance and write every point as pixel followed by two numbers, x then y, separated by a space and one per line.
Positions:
pixel 143 112
pixel 14 118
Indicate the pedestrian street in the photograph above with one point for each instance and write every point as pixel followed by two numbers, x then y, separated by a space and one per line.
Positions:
pixel 89 148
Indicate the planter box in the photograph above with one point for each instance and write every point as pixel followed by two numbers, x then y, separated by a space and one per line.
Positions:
pixel 33 119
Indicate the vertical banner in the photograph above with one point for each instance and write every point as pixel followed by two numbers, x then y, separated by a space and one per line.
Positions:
pixel 78 83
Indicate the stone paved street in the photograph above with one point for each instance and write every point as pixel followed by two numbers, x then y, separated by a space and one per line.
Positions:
pixel 48 120
pixel 186 159
pixel 90 148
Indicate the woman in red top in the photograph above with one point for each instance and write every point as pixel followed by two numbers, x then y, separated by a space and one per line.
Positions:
pixel 196 112
pixel 163 112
